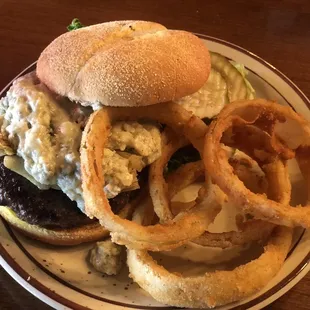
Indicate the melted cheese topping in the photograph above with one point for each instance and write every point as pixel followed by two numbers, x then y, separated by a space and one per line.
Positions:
pixel 40 131
pixel 47 137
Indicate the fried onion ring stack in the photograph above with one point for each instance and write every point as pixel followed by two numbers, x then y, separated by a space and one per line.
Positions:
pixel 244 155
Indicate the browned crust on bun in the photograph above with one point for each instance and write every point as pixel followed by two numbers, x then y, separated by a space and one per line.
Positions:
pixel 65 237
pixel 125 63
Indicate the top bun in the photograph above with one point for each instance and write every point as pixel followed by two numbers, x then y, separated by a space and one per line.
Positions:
pixel 124 63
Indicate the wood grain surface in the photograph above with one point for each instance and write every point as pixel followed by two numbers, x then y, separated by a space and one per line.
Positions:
pixel 278 31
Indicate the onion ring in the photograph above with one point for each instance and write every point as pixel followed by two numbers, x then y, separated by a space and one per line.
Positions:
pixel 176 181
pixel 249 231
pixel 256 143
pixel 213 288
pixel 181 229
pixel 264 115
pixel 279 189
pixel 185 176
pixel 162 191
pixel 170 144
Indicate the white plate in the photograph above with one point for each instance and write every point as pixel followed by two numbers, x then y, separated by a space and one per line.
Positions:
pixel 61 277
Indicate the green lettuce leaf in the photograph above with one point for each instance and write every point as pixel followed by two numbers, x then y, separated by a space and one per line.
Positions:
pixel 244 72
pixel 75 24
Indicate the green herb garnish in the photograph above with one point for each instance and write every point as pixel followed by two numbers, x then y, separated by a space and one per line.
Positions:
pixel 75 24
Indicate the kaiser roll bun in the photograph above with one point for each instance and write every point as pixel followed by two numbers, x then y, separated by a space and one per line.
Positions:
pixel 124 63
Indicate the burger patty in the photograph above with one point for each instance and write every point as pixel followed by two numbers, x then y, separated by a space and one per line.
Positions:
pixel 47 208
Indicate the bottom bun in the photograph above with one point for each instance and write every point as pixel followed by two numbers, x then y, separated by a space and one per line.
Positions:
pixel 71 236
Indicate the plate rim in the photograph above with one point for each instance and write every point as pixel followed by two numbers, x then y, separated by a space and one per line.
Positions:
pixel 279 289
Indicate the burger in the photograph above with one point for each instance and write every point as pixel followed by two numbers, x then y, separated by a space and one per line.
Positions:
pixel 43 114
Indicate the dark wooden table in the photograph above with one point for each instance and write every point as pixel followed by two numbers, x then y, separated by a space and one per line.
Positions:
pixel 278 31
